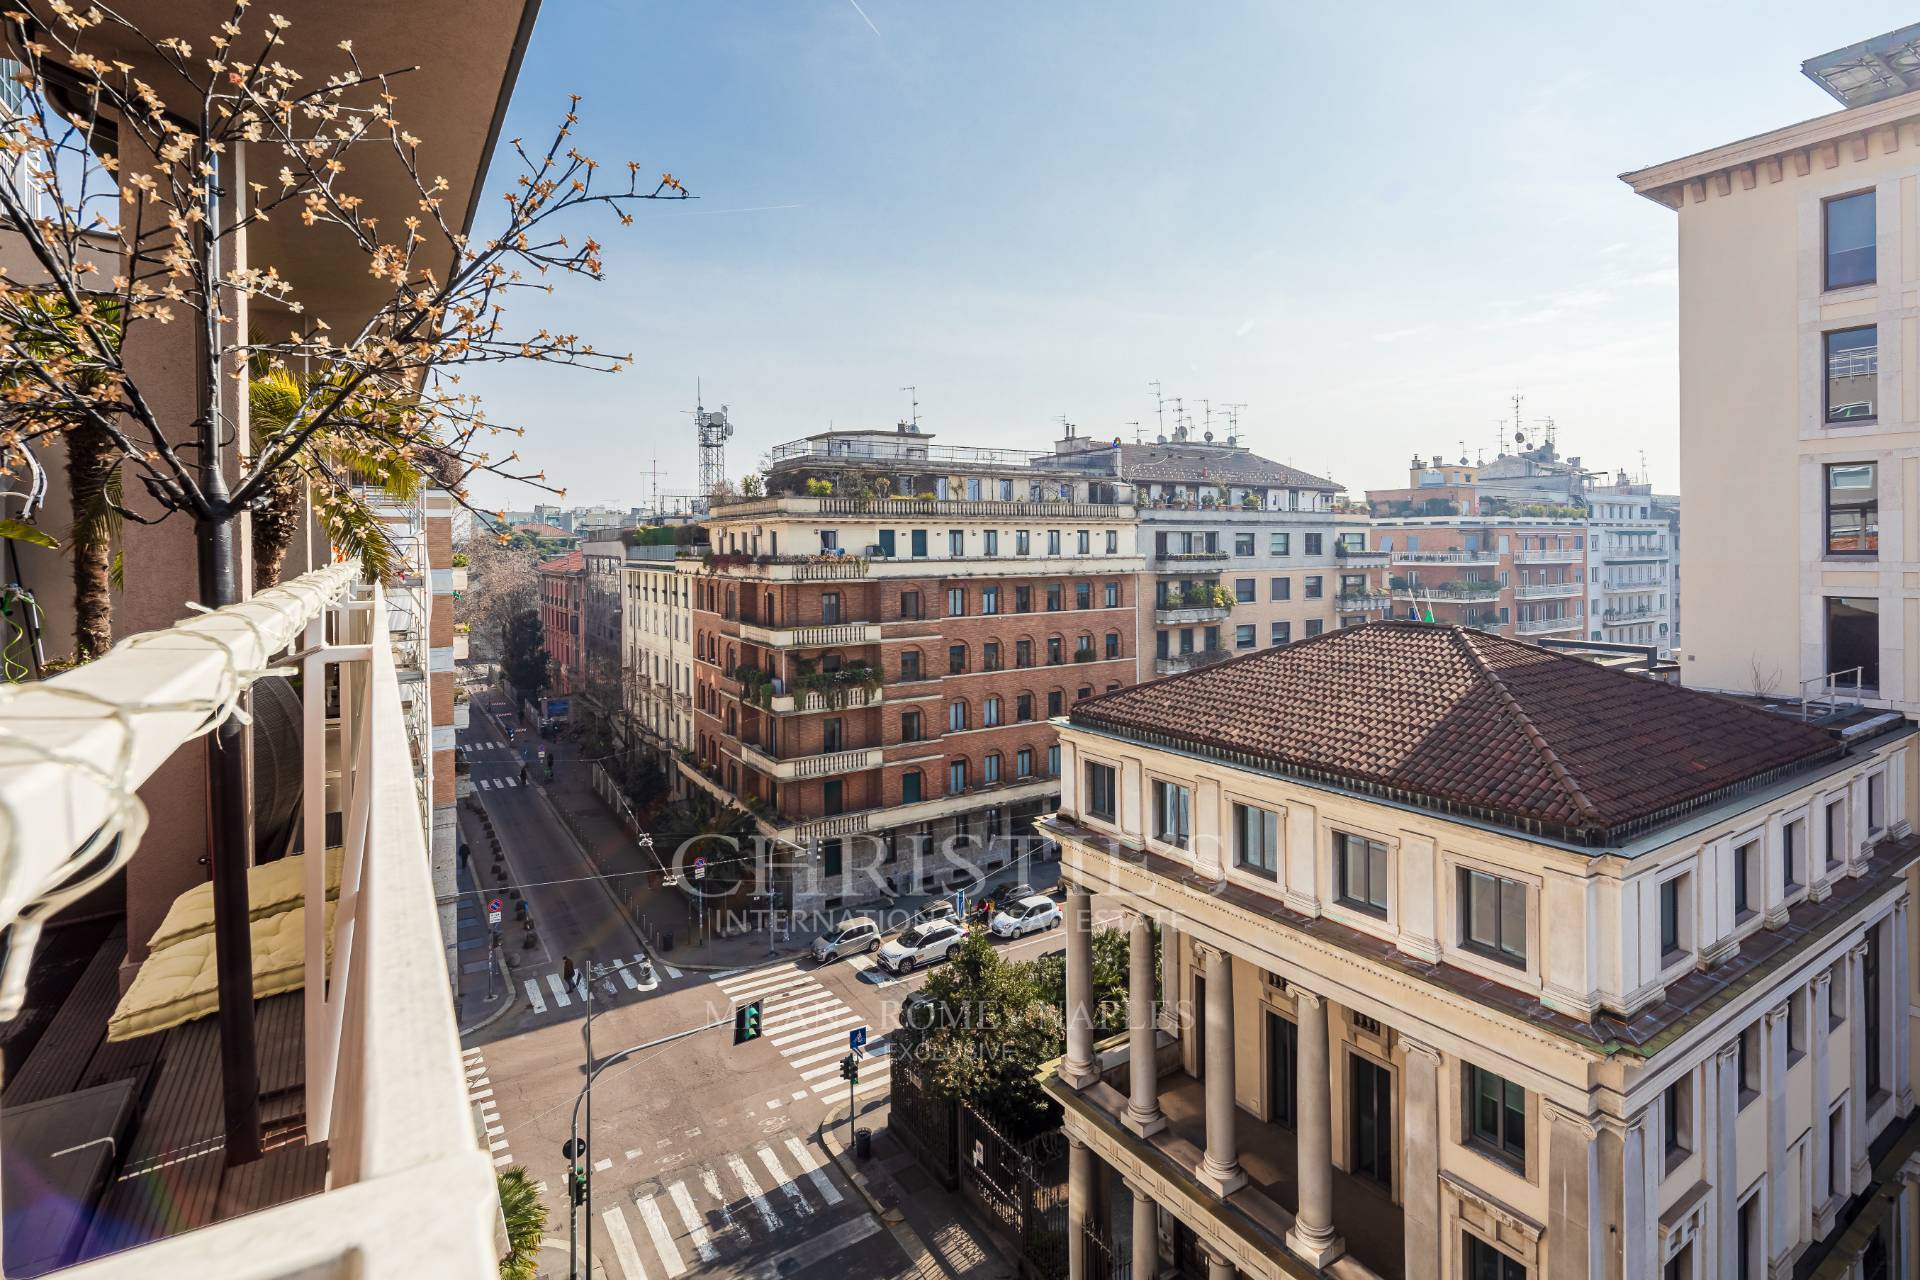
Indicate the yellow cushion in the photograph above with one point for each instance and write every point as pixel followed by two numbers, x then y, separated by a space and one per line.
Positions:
pixel 179 983
pixel 272 887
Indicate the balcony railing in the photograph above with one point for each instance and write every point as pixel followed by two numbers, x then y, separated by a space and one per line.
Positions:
pixel 1187 557
pixel 1174 665
pixel 815 637
pixel 1625 584
pixel 907 449
pixel 1549 555
pixel 1357 557
pixel 1549 590
pixel 1177 614
pixel 1450 592
pixel 814 700
pixel 1636 553
pixel 1367 602
pixel 1028 508
pixel 1543 626
pixel 1483 556
pixel 824 765
pixel 407 1188
pixel 1622 617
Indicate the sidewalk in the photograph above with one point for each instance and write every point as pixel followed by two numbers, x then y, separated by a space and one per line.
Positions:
pixel 472 1007
pixel 926 1220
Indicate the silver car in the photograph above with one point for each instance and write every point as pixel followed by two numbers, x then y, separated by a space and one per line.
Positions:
pixel 849 937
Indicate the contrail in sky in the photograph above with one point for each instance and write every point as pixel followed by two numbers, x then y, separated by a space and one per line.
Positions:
pixel 863 16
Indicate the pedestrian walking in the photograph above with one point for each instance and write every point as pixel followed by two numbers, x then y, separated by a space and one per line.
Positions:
pixel 566 970
pixel 523 775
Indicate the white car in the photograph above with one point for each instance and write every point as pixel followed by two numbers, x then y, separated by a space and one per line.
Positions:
pixel 1028 915
pixel 924 944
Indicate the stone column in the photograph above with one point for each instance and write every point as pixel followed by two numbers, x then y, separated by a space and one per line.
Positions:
pixel 1171 995
pixel 1143 1073
pixel 1900 976
pixel 1077 1069
pixel 1820 1009
pixel 1220 1169
pixel 1219 1267
pixel 1639 1214
pixel 1723 1162
pixel 1857 1056
pixel 1079 1205
pixel 1774 1038
pixel 1312 1236
pixel 1146 1239
pixel 1572 1194
pixel 1420 1140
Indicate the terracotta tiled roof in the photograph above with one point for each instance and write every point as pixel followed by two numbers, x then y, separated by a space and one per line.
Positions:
pixel 1187 463
pixel 1468 722
pixel 572 562
pixel 542 530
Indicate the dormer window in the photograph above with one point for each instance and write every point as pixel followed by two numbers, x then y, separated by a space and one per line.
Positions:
pixel 1493 917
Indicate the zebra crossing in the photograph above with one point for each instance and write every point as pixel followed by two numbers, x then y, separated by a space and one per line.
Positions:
pixel 725 1207
pixel 551 991
pixel 480 1095
pixel 497 784
pixel 807 1025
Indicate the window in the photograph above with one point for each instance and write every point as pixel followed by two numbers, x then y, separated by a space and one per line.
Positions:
pixel 990 656
pixel 910 664
pixel 1023 599
pixel 1023 706
pixel 1243 636
pixel 1113 644
pixel 1847 227
pixel 1085 691
pixel 1853 640
pixel 990 542
pixel 1083 595
pixel 1315 626
pixel 1837 996
pixel 957 543
pixel 1746 874
pixel 1083 543
pixel 956 659
pixel 1053 761
pixel 833 734
pixel 1493 916
pixel 1256 835
pixel 829 539
pixel 1790 847
pixel 1672 946
pixel 1023 653
pixel 1876 816
pixel 1676 1118
pixel 1054 597
pixel 1836 1150
pixel 956 716
pixel 1113 542
pixel 990 712
pixel 832 797
pixel 1360 872
pixel 956 602
pixel 1171 806
pixel 1497 1116
pixel 957 776
pixel 1053 542
pixel 1278 544
pixel 1055 651
pixel 1314 586
pixel 919 539
pixel 1243 544
pixel 909 726
pixel 1020 542
pixel 1797 1005
pixel 1100 791
pixel 910 605
pixel 1023 763
pixel 1484 1262
pixel 829 607
pixel 1283 633
pixel 990 768
pixel 1243 590
pixel 1853 373
pixel 910 786
pixel 1113 595
pixel 1279 588
pixel 1836 833
pixel 989 599
pixel 1055 699
pixel 1313 543
pixel 1747 1064
pixel 1853 510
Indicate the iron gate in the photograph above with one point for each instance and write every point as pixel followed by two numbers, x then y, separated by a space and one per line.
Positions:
pixel 925 1120
pixel 1022 1190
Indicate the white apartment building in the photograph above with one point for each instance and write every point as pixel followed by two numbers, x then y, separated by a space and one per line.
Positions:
pixel 1453 987
pixel 1629 571
pixel 1800 391
pixel 657 649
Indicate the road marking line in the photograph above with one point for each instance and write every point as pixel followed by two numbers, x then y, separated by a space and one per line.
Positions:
pixel 711 1181
pixel 744 1176
pixel 495 1130
pixel 498 1146
pixel 473 1083
pixel 823 1068
pixel 878 1082
pixel 470 1053
pixel 484 1093
pixel 822 1246
pixel 865 1086
pixel 838 1038
pixel 798 1094
pixel 839 1048
pixel 811 1167
pixel 501 1161
pixel 796 1011
pixel 626 977
pixel 533 996
pixel 847 1020
pixel 634 1154
pixel 696 1227
pixel 812 1019
pixel 662 1238
pixel 559 990
pixel 623 1244
pixel 601 1166
pixel 787 1186
pixel 774 1104
pixel 671 971
pixel 742 978
pixel 789 985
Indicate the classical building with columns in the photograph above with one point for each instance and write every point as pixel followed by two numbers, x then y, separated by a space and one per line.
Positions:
pixel 1478 960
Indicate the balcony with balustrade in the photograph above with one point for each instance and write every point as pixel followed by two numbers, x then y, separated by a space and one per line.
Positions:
pixel 1460 557
pixel 1549 555
pixel 1549 591
pixel 824 764
pixel 1546 626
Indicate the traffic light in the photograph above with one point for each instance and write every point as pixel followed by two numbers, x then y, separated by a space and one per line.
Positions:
pixel 746 1022
pixel 850 1069
pixel 577 1184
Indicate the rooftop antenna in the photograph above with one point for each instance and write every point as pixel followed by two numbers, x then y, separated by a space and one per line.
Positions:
pixel 1519 429
pixel 1136 430
pixel 1233 420
pixel 913 394
pixel 1646 477
pixel 1159 407
pixel 1179 418
pixel 712 431
pixel 1463 453
pixel 1065 426
pixel 1208 405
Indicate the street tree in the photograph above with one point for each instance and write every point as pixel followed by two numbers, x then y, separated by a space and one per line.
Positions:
pixel 524 656
pixel 125 204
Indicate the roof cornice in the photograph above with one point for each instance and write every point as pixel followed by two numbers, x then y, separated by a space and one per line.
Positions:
pixel 1665 183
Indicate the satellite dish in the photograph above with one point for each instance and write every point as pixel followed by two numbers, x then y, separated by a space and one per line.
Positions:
pixel 1519 437
pixel 1208 437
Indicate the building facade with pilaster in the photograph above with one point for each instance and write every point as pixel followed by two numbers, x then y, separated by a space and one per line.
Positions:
pixel 1476 959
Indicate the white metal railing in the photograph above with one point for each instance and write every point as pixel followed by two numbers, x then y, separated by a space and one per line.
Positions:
pixel 409 1189
pixel 1549 555
pixel 1824 694
pixel 1538 626
pixel 1484 556
pixel 1548 590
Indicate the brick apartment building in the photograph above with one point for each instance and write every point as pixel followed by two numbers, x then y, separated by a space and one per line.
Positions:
pixel 563 605
pixel 1519 577
pixel 875 674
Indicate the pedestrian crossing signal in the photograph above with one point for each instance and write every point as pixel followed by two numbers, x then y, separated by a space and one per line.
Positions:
pixel 746 1022
pixel 577 1184
pixel 850 1069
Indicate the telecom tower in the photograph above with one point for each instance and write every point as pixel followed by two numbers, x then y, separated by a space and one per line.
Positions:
pixel 713 431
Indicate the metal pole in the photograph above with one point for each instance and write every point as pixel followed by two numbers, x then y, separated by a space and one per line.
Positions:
pixel 586 1155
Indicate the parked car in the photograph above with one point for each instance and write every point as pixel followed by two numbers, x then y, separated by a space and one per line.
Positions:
pixel 922 944
pixel 1027 915
pixel 938 909
pixel 848 938
pixel 1014 893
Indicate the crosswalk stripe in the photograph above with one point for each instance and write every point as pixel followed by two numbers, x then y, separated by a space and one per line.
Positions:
pixel 837 1048
pixel 792 983
pixel 623 1244
pixel 788 1010
pixel 811 1168
pixel 831 1038
pixel 711 1181
pixel 847 1021
pixel 559 990
pixel 743 978
pixel 696 1228
pixel 626 977
pixel 787 1185
pixel 744 1176
pixel 533 996
pixel 871 1083
pixel 825 1013
pixel 662 1238
pixel 671 971
pixel 814 1072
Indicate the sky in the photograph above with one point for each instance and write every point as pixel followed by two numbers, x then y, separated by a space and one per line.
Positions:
pixel 1370 224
